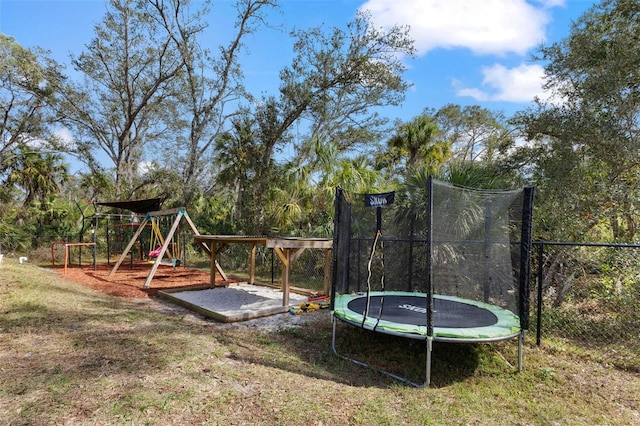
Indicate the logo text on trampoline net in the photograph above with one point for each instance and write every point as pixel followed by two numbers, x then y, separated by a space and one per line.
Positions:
pixel 377 201
pixel 413 308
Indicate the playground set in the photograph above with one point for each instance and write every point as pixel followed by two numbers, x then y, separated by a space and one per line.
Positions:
pixel 157 237
pixel 146 240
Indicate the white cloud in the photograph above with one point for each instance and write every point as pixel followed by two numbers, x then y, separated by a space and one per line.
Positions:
pixel 64 136
pixel 145 167
pixel 476 94
pixel 61 135
pixel 499 83
pixel 493 27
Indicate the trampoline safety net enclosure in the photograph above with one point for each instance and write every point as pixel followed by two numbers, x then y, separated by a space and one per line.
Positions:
pixel 446 263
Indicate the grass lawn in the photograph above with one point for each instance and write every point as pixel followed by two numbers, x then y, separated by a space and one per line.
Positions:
pixel 69 355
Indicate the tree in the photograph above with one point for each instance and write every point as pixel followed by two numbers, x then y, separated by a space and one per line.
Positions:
pixel 31 173
pixel 207 87
pixel 38 178
pixel 416 144
pixel 129 69
pixel 335 83
pixel 238 156
pixel 474 133
pixel 38 175
pixel 29 81
pixel 587 152
pixel 337 80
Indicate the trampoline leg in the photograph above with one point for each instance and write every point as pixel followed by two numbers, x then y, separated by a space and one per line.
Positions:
pixel 379 370
pixel 520 347
pixel 427 381
pixel 333 335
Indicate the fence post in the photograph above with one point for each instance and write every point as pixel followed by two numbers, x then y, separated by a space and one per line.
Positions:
pixel 539 302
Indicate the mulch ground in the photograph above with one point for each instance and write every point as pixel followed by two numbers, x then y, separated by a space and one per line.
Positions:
pixel 129 279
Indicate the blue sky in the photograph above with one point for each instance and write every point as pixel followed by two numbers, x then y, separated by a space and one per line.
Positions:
pixel 470 52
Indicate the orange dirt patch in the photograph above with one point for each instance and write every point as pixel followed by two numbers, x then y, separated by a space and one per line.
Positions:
pixel 129 280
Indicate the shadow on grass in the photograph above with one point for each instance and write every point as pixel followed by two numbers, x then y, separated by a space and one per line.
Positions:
pixel 306 350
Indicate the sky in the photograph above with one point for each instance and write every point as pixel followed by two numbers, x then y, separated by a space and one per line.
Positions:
pixel 469 52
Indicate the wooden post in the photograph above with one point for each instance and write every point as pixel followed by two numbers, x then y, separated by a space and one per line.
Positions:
pixel 212 258
pixel 66 258
pixel 327 272
pixel 285 258
pixel 286 269
pixel 252 264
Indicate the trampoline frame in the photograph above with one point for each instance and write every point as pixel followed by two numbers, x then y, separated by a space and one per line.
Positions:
pixel 430 333
pixel 338 314
pixel 507 324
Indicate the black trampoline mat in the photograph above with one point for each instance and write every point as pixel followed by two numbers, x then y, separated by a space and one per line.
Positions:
pixel 405 309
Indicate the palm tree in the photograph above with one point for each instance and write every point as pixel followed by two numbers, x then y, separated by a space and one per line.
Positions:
pixel 416 143
pixel 38 174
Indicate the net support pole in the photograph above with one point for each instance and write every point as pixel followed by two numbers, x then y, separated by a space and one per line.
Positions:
pixel 525 267
pixel 430 306
pixel 487 251
pixel 525 257
pixel 334 253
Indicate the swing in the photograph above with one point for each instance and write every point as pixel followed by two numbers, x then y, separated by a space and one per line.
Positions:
pixel 178 214
pixel 158 241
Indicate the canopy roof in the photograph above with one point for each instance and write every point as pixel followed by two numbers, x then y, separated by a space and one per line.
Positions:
pixel 136 206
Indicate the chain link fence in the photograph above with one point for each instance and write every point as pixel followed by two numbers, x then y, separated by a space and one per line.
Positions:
pixel 589 295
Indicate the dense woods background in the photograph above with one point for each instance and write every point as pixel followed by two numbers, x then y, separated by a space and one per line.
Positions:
pixel 155 113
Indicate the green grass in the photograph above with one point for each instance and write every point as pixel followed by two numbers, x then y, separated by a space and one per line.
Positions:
pixel 71 355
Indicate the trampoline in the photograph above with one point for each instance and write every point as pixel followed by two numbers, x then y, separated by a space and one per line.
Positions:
pixel 404 314
pixel 439 263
